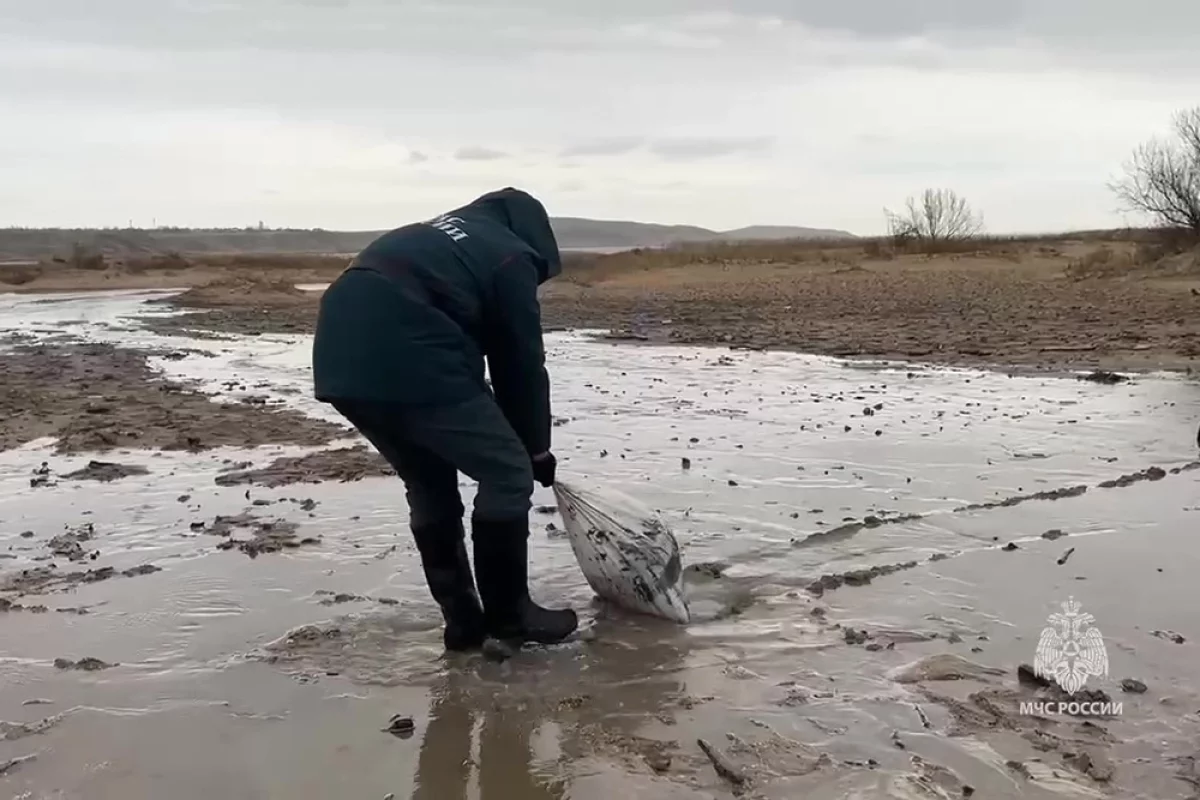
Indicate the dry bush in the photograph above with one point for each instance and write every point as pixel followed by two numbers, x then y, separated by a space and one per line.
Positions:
pixel 85 258
pixel 878 250
pixel 1095 263
pixel 935 222
pixel 1162 179
pixel 1164 251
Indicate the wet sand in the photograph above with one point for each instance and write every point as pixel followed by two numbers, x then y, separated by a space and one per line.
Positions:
pixel 886 542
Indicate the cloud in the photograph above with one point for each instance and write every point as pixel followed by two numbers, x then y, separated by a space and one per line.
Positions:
pixel 478 154
pixel 323 112
pixel 615 146
pixel 695 147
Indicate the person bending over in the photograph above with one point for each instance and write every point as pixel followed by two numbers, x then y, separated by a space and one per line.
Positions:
pixel 401 341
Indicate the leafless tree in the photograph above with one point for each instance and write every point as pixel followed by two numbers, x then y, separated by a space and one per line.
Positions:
pixel 937 216
pixel 1162 179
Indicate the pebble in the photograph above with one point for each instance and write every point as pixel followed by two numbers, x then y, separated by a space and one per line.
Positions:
pixel 1133 686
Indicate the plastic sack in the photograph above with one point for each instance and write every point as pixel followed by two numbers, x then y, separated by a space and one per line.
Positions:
pixel 627 553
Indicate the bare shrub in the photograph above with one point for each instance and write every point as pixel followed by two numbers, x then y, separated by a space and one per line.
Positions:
pixel 877 250
pixel 83 257
pixel 1162 178
pixel 935 221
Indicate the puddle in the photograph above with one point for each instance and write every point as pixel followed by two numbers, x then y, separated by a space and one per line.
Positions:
pixel 864 517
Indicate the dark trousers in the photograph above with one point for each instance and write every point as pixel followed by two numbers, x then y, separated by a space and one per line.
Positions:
pixel 429 445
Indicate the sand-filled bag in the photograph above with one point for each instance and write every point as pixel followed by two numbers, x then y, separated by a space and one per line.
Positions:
pixel 627 553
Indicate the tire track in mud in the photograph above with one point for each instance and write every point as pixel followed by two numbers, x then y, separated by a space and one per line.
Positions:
pixel 864 576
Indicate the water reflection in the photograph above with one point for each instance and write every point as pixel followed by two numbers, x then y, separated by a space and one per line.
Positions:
pixel 595 699
pixel 505 764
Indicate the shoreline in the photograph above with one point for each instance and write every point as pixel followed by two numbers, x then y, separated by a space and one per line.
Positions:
pixel 1054 306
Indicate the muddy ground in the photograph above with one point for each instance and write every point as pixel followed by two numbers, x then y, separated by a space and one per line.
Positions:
pixel 1068 304
pixel 97 397
pixel 822 675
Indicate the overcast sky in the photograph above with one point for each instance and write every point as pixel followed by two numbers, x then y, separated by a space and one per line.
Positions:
pixel 364 114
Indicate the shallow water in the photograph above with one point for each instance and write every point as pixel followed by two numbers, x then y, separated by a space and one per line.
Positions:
pixel 211 698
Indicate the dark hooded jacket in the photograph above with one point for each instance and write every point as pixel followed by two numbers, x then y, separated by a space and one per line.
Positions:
pixel 413 318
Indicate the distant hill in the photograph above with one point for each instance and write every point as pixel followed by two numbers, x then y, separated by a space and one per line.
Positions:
pixel 17 244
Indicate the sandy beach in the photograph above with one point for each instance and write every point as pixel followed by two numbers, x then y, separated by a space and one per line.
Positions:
pixel 207 587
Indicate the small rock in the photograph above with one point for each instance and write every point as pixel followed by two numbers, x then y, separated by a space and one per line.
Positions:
pixel 659 762
pixel 1008 548
pixel 1133 686
pixel 854 637
pixel 686 463
pixel 1053 534
pixel 1170 636
pixel 1027 675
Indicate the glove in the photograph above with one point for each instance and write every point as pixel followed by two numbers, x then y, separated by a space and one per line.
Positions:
pixel 543 469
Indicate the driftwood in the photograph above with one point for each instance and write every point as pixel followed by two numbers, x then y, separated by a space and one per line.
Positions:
pixel 721 763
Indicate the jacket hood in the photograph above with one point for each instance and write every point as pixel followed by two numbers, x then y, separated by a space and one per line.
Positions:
pixel 526 217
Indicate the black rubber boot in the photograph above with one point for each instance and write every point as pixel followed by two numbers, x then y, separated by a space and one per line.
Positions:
pixel 448 573
pixel 502 566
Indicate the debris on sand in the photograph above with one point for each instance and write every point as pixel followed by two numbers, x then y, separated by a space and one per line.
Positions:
pixel 747 763
pixel 704 571
pixel 1092 764
pixel 854 637
pixel 1053 534
pixel 855 577
pixel 1063 558
pixel 1049 494
pixel 1028 676
pixel 269 536
pixel 42 580
pixel 85 664
pixel 1133 686
pixel 1150 474
pixel 11 731
pixel 1103 376
pixel 41 477
pixel 343 464
pixel 942 667
pixel 69 545
pixel 329 598
pixel 621 335
pixel 1170 636
pixel 105 472
pixel 724 768
pixel 11 764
